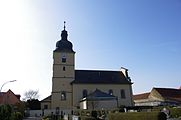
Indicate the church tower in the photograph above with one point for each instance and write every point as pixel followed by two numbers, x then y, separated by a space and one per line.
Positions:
pixel 63 73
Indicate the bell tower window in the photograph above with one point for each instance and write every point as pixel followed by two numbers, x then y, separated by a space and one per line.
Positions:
pixel 63 95
pixel 64 58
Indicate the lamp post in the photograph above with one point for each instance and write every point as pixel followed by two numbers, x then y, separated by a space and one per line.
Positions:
pixel 6 83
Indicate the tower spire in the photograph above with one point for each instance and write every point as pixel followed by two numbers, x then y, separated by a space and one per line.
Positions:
pixel 64 25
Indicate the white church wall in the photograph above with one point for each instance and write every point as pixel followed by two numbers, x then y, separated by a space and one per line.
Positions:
pixel 78 89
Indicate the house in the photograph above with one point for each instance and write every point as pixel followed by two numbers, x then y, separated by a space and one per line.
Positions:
pixel 9 98
pixel 159 96
pixel 75 89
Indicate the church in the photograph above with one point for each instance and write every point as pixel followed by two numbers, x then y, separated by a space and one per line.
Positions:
pixel 85 89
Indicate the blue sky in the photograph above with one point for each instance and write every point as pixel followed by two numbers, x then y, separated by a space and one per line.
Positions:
pixel 141 35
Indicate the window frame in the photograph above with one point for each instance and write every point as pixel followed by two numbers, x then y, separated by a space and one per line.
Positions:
pixel 45 106
pixel 63 95
pixel 123 94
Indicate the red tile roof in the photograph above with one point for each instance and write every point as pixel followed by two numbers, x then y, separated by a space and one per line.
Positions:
pixel 141 96
pixel 9 98
pixel 169 93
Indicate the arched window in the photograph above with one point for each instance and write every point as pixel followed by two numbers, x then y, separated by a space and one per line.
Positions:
pixel 84 93
pixel 123 95
pixel 110 92
pixel 63 95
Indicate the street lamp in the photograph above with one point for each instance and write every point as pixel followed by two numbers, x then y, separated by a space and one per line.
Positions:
pixel 6 83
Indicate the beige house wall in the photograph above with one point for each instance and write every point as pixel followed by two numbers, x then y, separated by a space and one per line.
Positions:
pixel 58 55
pixel 58 65
pixel 61 80
pixel 46 103
pixel 62 104
pixel 78 89
pixel 155 95
pixel 61 85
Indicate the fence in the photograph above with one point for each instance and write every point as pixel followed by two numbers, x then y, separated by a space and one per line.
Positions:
pixel 46 112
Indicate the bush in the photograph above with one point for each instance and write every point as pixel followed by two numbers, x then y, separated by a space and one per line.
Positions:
pixel 138 116
pixel 175 112
pixel 17 116
pixel 94 114
pixel 5 112
pixel 87 118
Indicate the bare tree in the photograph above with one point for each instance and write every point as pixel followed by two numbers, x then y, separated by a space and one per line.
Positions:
pixel 31 94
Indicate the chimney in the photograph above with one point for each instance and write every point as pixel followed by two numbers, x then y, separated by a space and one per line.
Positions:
pixel 125 72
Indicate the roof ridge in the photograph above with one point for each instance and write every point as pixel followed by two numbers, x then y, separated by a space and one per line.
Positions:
pixel 167 88
pixel 98 70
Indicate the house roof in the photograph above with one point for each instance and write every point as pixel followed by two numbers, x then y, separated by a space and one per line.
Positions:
pixel 141 96
pixel 169 93
pixel 99 77
pixel 47 99
pixel 99 95
pixel 9 97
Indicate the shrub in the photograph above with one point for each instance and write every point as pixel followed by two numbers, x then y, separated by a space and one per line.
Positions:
pixel 94 114
pixel 87 118
pixel 175 112
pixel 5 112
pixel 17 116
pixel 138 116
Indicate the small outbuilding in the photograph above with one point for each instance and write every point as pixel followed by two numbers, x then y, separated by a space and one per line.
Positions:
pixel 99 100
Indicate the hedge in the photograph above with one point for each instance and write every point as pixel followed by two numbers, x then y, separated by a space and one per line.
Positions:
pixel 174 112
pixel 7 113
pixel 137 116
pixel 87 118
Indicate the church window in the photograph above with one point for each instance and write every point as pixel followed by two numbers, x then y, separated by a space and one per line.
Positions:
pixel 123 95
pixel 84 93
pixel 63 95
pixel 63 68
pixel 110 92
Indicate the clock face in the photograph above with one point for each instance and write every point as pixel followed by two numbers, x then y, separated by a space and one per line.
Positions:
pixel 63 55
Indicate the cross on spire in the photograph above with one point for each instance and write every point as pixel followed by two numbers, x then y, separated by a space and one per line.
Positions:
pixel 64 25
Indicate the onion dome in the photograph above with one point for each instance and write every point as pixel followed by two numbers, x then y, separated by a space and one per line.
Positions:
pixel 64 45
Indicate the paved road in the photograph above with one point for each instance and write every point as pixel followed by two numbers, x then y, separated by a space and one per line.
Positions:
pixel 32 118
